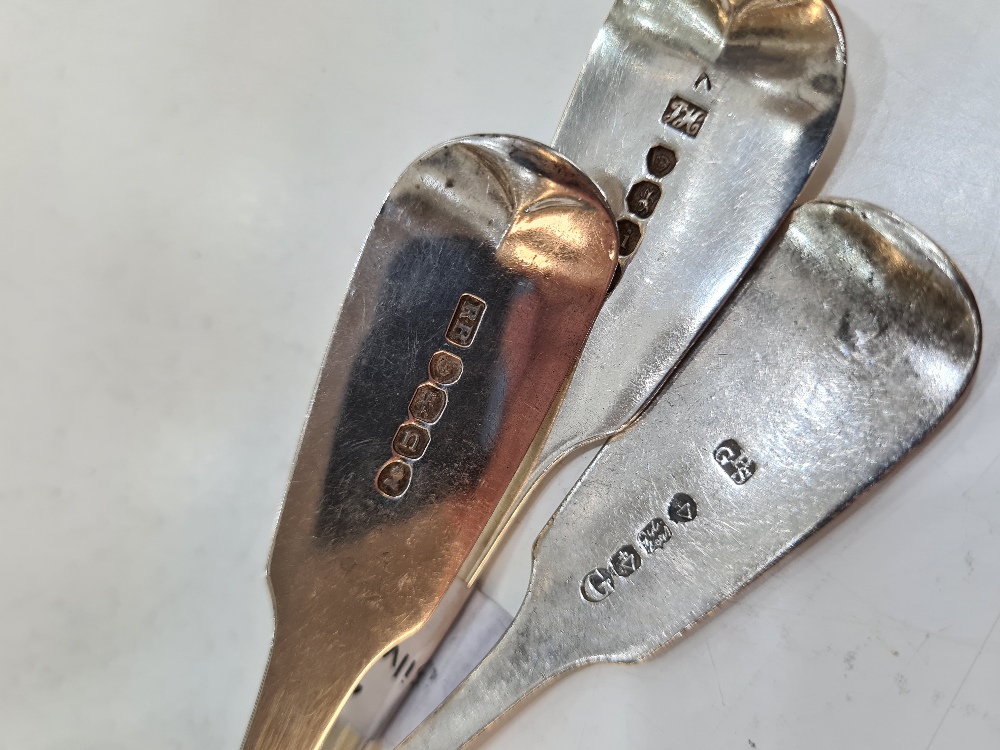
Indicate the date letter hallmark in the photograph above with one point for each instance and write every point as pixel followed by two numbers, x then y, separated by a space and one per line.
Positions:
pixel 598 585
pixel 429 400
pixel 739 466
pixel 684 117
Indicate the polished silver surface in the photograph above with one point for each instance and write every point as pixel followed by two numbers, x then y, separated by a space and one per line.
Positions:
pixel 768 77
pixel 701 120
pixel 852 339
pixel 471 301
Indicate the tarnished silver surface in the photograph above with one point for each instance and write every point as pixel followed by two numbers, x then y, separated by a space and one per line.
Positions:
pixel 701 120
pixel 470 303
pixel 852 339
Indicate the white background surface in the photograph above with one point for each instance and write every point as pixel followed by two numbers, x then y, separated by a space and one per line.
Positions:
pixel 184 186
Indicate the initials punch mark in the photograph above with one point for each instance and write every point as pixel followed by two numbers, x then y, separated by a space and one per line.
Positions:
pixel 739 466
pixel 684 117
pixel 465 322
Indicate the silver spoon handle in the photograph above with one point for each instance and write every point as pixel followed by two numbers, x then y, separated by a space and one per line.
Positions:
pixel 518 665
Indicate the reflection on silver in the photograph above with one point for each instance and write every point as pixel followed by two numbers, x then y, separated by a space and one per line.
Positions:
pixel 496 252
pixel 701 120
pixel 732 102
pixel 851 340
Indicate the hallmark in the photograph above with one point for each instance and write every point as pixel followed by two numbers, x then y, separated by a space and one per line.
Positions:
pixel 642 198
pixel 629 237
pixel 654 536
pixel 445 368
pixel 428 403
pixel 430 399
pixel 465 322
pixel 683 508
pixel 600 583
pixel 394 478
pixel 626 561
pixel 684 117
pixel 661 161
pixel 739 466
pixel 411 440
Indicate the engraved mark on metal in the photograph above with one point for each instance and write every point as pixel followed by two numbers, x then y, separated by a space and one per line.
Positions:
pixel 411 440
pixel 642 198
pixel 683 508
pixel 685 117
pixel 445 368
pixel 428 403
pixel 731 457
pixel 654 536
pixel 626 561
pixel 394 478
pixel 703 80
pixel 429 400
pixel 597 585
pixel 465 322
pixel 661 161
pixel 629 237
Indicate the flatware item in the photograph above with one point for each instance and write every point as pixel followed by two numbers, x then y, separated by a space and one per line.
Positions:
pixel 701 120
pixel 851 340
pixel 469 306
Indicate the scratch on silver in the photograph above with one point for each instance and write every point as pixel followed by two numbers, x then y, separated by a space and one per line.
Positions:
pixel 821 432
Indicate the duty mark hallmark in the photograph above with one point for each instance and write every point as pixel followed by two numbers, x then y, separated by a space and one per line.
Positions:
pixel 394 478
